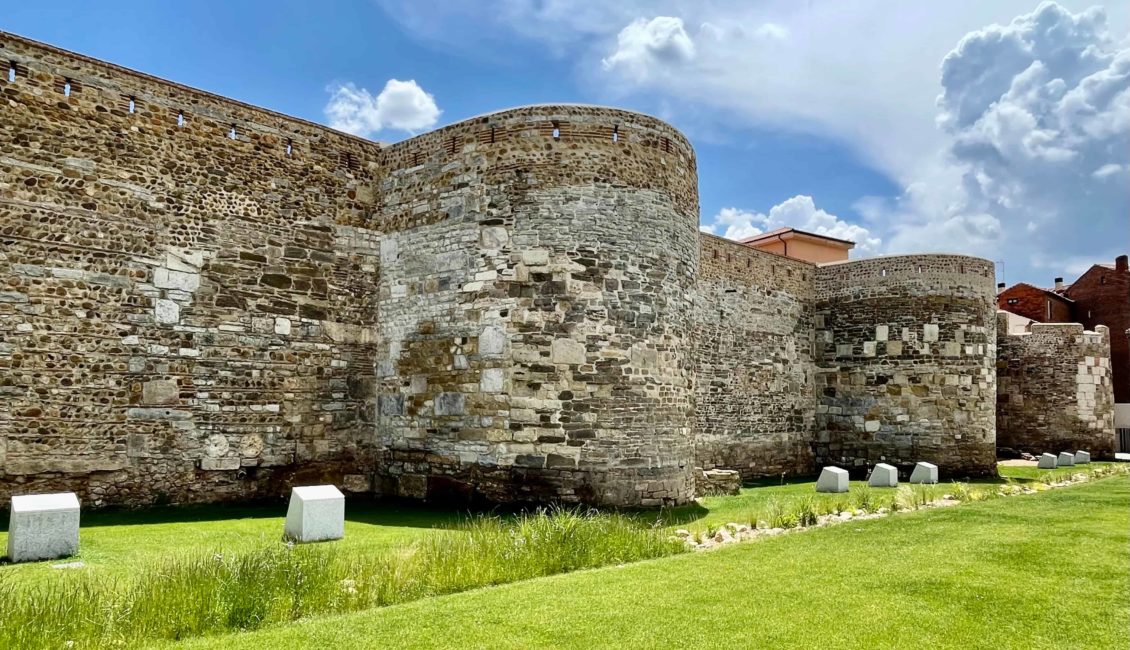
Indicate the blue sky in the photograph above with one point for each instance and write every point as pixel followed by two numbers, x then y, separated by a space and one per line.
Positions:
pixel 999 130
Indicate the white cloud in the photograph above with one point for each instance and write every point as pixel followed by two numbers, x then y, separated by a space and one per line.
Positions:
pixel 799 212
pixel 1038 116
pixel 1022 157
pixel 645 45
pixel 401 106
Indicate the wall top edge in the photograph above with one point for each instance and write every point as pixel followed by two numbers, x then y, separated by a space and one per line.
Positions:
pixel 120 69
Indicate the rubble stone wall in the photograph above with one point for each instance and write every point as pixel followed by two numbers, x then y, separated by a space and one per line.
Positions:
pixel 185 288
pixel 535 341
pixel 755 400
pixel 201 300
pixel 906 351
pixel 1055 390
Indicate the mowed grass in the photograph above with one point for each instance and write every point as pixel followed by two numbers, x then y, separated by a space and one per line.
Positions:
pixel 118 542
pixel 1049 570
pixel 756 496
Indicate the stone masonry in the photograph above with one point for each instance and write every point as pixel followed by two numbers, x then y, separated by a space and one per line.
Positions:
pixel 1055 390
pixel 201 300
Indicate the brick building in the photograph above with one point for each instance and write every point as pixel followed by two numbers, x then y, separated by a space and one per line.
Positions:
pixel 1036 303
pixel 1101 296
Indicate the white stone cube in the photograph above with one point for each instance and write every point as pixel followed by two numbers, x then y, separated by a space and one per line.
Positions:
pixel 924 473
pixel 1066 459
pixel 316 513
pixel 884 475
pixel 1082 457
pixel 43 526
pixel 1047 461
pixel 832 479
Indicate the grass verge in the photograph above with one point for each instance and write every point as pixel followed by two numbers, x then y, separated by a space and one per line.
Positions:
pixel 212 592
pixel 1048 570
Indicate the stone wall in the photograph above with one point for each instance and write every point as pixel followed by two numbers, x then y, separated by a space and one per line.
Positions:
pixel 905 349
pixel 185 285
pixel 754 390
pixel 535 341
pixel 201 300
pixel 1054 390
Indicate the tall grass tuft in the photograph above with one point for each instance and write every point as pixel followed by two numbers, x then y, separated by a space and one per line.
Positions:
pixel 211 593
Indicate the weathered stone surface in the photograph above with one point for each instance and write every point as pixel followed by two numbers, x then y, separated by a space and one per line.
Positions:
pixel 1066 459
pixel 926 473
pixel 1055 389
pixel 927 392
pixel 316 513
pixel 832 479
pixel 714 482
pixel 884 475
pixel 1082 457
pixel 160 391
pixel 1047 461
pixel 517 307
pixel 43 526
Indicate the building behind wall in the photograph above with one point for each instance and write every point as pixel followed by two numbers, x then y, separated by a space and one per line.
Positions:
pixel 1099 297
pixel 203 301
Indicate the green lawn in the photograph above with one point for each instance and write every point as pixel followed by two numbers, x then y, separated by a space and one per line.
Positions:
pixel 1050 570
pixel 113 542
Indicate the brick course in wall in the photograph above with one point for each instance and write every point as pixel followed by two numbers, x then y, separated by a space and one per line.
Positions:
pixel 905 353
pixel 201 300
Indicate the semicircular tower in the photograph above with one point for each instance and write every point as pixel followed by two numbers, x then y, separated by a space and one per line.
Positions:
pixel 906 355
pixel 534 327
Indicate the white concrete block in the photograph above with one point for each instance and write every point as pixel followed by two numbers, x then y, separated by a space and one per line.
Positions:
pixel 884 475
pixel 1047 461
pixel 1082 457
pixel 1066 459
pixel 316 513
pixel 924 473
pixel 832 479
pixel 43 526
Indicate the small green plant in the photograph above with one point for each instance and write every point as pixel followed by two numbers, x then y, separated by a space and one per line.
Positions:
pixel 864 498
pixel 805 511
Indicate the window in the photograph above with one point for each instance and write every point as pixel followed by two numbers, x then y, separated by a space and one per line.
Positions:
pixel 1013 301
pixel 556 131
pixel 180 118
pixel 289 146
pixel 132 105
pixel 67 88
pixel 231 133
pixel 616 134
pixel 11 71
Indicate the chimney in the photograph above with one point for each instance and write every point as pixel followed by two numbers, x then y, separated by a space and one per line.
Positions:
pixel 1120 263
pixel 1059 284
pixel 1000 288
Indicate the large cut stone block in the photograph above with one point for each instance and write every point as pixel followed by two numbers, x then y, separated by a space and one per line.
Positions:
pixel 43 526
pixel 1066 459
pixel 1047 461
pixel 1082 457
pixel 316 513
pixel 924 473
pixel 832 479
pixel 884 475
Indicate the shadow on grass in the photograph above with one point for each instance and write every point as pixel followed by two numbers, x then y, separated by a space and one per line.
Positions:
pixel 359 509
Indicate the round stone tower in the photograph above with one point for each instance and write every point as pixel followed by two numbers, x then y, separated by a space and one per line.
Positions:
pixel 546 353
pixel 906 350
